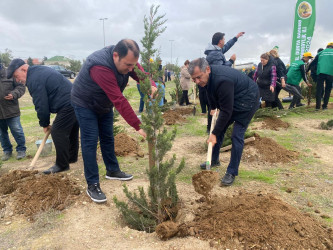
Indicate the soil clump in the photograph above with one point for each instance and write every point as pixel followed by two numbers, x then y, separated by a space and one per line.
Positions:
pixel 32 193
pixel 204 182
pixel 172 117
pixel 256 221
pixel 125 145
pixel 267 150
pixel 274 123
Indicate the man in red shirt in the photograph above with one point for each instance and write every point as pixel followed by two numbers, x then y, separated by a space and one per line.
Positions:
pixel 96 90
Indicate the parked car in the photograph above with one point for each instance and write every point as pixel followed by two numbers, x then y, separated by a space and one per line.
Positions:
pixel 63 70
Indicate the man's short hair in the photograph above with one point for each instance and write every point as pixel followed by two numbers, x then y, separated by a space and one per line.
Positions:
pixel 217 37
pixel 200 62
pixel 124 45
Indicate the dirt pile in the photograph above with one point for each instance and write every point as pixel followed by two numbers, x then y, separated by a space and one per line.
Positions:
pixel 267 150
pixel 274 123
pixel 32 193
pixel 172 117
pixel 185 110
pixel 125 145
pixel 256 221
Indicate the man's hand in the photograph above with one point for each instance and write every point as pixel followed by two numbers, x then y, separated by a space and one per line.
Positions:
pixel 142 133
pixel 271 88
pixel 233 57
pixel 9 97
pixel 153 90
pixel 47 129
pixel 309 84
pixel 283 82
pixel 212 139
pixel 213 111
pixel 240 34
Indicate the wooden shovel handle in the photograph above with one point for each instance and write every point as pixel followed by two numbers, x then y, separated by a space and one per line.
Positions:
pixel 210 145
pixel 32 164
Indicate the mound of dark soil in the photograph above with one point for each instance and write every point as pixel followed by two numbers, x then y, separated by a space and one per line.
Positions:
pixel 274 123
pixel 185 110
pixel 33 193
pixel 256 221
pixel 125 145
pixel 172 117
pixel 267 150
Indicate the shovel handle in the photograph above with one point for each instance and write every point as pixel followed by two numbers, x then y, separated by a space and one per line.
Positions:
pixel 32 164
pixel 210 145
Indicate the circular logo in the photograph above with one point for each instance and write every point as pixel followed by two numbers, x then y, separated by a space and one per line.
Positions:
pixel 304 10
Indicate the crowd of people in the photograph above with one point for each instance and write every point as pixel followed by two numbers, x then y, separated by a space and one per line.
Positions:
pixel 87 104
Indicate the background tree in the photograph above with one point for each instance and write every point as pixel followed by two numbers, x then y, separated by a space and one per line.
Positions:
pixel 29 61
pixel 75 65
pixel 43 61
pixel 6 57
pixel 144 212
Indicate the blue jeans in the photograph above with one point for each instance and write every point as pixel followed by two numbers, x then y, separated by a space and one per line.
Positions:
pixel 15 127
pixel 94 126
pixel 142 103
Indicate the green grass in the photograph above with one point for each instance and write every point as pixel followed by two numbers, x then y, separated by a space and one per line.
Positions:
pixel 268 176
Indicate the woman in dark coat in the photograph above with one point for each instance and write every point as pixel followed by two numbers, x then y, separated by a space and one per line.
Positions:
pixel 265 76
pixel 281 72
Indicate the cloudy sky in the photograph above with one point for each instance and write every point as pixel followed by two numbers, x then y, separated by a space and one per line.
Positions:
pixel 72 28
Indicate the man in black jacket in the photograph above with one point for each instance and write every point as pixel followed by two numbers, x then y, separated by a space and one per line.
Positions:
pixel 10 92
pixel 50 93
pixel 237 98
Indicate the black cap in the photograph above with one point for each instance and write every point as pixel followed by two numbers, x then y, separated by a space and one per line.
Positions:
pixel 14 65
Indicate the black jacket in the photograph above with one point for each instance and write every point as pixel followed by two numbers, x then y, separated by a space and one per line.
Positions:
pixel 88 94
pixel 264 77
pixel 281 69
pixel 50 92
pixel 9 108
pixel 234 94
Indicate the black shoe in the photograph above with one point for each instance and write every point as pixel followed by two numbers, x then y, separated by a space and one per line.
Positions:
pixel 95 193
pixel 20 155
pixel 6 156
pixel 55 169
pixel 119 175
pixel 227 180
pixel 300 105
pixel 190 103
pixel 213 164
pixel 182 104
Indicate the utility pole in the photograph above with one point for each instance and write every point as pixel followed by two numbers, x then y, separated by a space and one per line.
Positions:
pixel 171 50
pixel 102 19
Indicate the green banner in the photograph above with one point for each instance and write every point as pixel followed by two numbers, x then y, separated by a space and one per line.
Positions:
pixel 305 18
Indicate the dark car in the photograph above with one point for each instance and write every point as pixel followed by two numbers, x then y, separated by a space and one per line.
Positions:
pixel 63 70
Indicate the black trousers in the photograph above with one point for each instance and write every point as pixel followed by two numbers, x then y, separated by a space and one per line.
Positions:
pixel 65 136
pixel 328 79
pixel 184 98
pixel 296 100
pixel 203 100
pixel 277 102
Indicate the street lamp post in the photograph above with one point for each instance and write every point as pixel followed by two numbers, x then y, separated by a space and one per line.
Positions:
pixel 171 50
pixel 102 19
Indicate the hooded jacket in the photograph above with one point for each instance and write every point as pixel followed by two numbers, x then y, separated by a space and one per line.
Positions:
pixel 215 55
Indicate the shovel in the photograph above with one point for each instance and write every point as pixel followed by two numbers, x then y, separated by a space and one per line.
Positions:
pixel 32 164
pixel 210 145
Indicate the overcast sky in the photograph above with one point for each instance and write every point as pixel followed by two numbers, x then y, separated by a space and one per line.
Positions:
pixel 72 28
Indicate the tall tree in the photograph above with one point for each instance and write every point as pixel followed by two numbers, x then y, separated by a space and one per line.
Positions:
pixel 75 65
pixel 145 212
pixel 29 61
pixel 6 57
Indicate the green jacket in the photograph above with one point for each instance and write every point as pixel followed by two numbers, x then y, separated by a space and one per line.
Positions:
pixel 294 74
pixel 325 62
